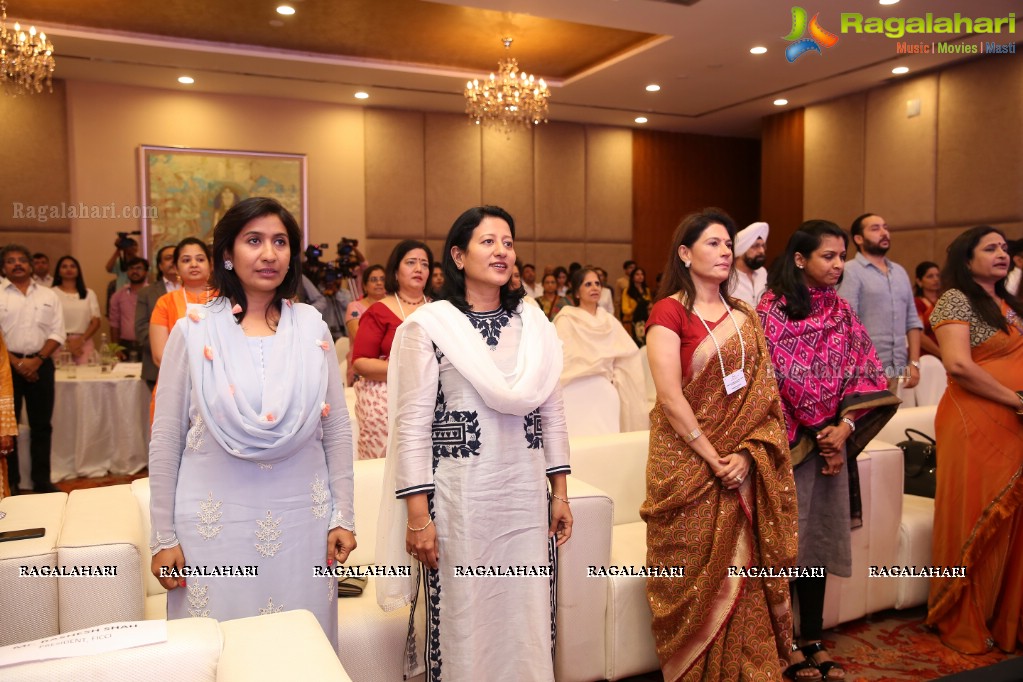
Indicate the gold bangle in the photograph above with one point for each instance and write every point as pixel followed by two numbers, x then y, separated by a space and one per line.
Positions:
pixel 419 530
pixel 559 497
pixel 693 435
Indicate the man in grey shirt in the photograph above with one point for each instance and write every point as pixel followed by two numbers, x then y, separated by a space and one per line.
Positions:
pixel 880 293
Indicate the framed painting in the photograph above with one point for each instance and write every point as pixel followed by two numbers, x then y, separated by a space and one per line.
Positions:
pixel 186 191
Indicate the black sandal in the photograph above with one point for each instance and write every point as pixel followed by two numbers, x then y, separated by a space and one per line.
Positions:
pixel 792 672
pixel 811 650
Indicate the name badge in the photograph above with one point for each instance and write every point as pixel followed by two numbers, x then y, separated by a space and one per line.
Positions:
pixel 734 381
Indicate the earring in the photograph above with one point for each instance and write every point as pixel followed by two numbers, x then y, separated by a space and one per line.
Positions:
pixel 799 266
pixel 688 263
pixel 228 265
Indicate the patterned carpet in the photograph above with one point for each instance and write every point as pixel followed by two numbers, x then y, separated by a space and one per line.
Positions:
pixel 893 646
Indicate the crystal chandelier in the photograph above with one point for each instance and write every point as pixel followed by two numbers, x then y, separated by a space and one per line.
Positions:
pixel 26 59
pixel 508 99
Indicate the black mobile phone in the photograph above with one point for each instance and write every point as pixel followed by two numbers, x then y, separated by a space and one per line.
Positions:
pixel 23 534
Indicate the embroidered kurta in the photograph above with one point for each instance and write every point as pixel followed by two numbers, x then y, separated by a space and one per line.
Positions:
pixel 485 473
pixel 251 464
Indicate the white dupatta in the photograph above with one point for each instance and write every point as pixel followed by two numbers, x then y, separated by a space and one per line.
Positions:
pixel 535 376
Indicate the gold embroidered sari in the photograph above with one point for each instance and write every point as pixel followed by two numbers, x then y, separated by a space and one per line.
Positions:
pixel 708 625
pixel 8 420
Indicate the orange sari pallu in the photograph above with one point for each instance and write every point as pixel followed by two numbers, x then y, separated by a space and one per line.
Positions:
pixel 978 508
pixel 708 625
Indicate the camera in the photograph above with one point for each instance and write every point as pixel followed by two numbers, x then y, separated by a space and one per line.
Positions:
pixel 124 240
pixel 313 252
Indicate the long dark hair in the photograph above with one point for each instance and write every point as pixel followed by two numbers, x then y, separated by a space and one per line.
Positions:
pixel 224 235
pixel 641 312
pixel 676 275
pixel 394 262
pixel 921 270
pixel 79 280
pixel 785 279
pixel 459 235
pixel 956 275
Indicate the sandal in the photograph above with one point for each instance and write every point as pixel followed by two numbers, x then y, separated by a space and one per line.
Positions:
pixel 792 672
pixel 827 668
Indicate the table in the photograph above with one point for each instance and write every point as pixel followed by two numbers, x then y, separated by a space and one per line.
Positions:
pixel 100 424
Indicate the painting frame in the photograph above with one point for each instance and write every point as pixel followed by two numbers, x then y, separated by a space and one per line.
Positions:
pixel 185 190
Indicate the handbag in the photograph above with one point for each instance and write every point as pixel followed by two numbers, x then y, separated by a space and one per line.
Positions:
pixel 351 586
pixel 921 464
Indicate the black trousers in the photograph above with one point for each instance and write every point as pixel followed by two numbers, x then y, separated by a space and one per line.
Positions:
pixel 38 399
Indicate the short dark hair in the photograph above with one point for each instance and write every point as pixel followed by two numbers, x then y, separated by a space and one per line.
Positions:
pixel 137 260
pixel 192 241
pixel 628 263
pixel 785 279
pixel 394 261
pixel 369 271
pixel 527 265
pixel 677 276
pixel 576 282
pixel 79 280
pixel 921 269
pixel 14 248
pixel 228 229
pixel 459 235
pixel 956 275
pixel 40 254
pixel 856 230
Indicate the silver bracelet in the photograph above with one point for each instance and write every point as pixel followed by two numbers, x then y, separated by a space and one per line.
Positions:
pixel 850 422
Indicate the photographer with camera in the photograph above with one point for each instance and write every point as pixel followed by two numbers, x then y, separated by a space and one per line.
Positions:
pixel 125 249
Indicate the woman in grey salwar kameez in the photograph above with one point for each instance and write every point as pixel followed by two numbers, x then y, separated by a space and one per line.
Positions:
pixel 251 454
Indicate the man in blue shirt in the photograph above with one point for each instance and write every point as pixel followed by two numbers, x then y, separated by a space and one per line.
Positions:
pixel 880 293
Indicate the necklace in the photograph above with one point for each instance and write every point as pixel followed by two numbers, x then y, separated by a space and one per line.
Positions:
pixel 419 302
pixel 736 379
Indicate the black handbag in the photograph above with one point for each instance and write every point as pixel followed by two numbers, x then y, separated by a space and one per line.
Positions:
pixel 921 464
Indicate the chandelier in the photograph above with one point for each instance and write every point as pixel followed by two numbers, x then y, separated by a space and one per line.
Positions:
pixel 508 98
pixel 26 59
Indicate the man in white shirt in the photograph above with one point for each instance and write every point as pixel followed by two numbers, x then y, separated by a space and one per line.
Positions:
pixel 33 326
pixel 41 269
pixel 529 283
pixel 750 254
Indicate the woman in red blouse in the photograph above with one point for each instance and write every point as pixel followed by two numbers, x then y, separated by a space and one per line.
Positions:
pixel 407 275
pixel 928 289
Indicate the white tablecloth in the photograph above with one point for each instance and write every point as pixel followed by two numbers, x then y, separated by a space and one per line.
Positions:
pixel 100 425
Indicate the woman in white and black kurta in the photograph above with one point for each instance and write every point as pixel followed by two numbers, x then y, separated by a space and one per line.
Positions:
pixel 478 431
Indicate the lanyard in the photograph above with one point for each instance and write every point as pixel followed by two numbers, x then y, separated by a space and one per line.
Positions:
pixel 742 344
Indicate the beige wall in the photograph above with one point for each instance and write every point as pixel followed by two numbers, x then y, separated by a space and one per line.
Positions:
pixel 107 123
pixel 568 186
pixel 959 163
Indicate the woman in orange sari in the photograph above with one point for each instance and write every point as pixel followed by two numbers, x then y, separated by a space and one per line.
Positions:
pixel 978 506
pixel 720 491
pixel 8 420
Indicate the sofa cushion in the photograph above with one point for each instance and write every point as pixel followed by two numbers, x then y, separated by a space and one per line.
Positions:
pixel 191 652
pixel 140 489
pixel 630 641
pixel 615 463
pixel 289 645
pixel 915 537
pixel 28 609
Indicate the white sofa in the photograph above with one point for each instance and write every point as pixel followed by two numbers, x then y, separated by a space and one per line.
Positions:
pixel 281 646
pixel 370 641
pixel 617 465
pixel 28 606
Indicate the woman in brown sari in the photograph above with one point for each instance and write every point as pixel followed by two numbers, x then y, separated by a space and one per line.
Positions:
pixel 978 505
pixel 720 492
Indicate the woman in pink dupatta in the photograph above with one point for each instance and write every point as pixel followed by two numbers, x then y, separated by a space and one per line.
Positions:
pixel 834 396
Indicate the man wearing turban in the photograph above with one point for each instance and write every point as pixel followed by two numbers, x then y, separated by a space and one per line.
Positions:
pixel 750 254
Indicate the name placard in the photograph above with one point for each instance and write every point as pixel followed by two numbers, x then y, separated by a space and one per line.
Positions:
pixel 95 640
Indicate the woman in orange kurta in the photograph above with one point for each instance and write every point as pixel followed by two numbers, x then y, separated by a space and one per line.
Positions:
pixel 8 420
pixel 978 506
pixel 192 259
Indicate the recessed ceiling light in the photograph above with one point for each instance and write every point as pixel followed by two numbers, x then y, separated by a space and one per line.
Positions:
pixel 888 2
pixel 780 102
pixel 653 87
pixel 361 95
pixel 641 119
pixel 759 49
pixel 899 70
pixel 286 10
pixel 186 80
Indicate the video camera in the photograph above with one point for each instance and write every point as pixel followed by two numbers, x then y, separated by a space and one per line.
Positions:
pixel 124 240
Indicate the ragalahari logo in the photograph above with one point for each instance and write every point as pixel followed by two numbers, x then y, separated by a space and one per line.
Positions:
pixel 818 36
